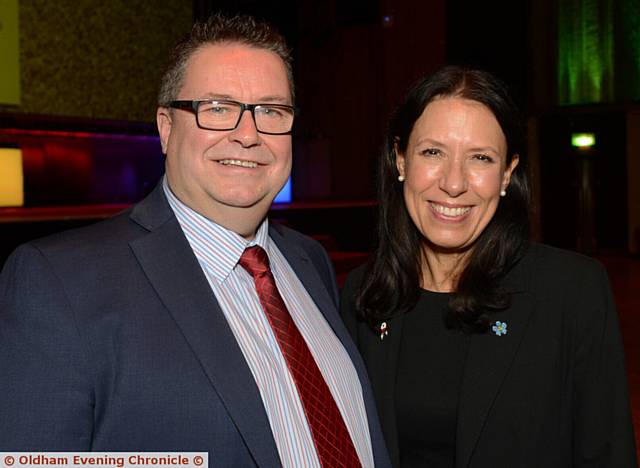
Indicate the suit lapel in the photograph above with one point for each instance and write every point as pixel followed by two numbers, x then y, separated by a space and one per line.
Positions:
pixel 171 267
pixel 488 361
pixel 308 275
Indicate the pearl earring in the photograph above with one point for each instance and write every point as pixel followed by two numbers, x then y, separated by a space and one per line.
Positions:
pixel 400 178
pixel 503 192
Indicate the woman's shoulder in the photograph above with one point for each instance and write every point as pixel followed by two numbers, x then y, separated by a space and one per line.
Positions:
pixel 555 262
pixel 354 280
pixel 558 273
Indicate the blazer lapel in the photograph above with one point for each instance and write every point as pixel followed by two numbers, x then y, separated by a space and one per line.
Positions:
pixel 489 359
pixel 171 267
pixel 382 356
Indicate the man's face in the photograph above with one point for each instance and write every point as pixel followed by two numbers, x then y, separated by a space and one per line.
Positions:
pixel 227 174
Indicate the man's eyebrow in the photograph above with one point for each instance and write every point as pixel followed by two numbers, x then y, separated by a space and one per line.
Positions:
pixel 215 96
pixel 276 99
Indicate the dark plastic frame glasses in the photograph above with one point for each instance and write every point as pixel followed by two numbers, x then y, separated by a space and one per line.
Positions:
pixel 272 119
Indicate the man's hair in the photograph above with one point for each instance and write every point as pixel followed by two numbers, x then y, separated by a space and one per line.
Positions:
pixel 220 29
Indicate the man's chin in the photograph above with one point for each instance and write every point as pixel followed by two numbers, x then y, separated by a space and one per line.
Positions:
pixel 248 202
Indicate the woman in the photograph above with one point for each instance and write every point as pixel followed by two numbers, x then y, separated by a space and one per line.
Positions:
pixel 483 350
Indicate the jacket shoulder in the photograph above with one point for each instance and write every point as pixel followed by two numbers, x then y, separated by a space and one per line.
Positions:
pixel 293 237
pixel 354 280
pixel 554 264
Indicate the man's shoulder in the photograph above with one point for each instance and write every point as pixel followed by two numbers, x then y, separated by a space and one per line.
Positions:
pixel 95 243
pixel 88 254
pixel 105 232
pixel 290 237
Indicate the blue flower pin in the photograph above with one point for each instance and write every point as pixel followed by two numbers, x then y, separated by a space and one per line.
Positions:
pixel 500 328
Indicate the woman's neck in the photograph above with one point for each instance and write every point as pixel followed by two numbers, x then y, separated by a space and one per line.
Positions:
pixel 441 269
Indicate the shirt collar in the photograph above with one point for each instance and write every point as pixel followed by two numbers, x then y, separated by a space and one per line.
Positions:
pixel 218 249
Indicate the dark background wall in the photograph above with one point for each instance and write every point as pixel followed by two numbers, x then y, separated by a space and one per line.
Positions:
pixel 352 62
pixel 96 59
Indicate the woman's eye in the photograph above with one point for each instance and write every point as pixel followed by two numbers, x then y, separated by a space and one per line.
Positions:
pixel 430 152
pixel 483 157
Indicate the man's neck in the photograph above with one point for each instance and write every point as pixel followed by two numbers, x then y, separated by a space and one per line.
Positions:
pixel 244 221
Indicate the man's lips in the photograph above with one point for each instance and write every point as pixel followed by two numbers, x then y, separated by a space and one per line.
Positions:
pixel 238 162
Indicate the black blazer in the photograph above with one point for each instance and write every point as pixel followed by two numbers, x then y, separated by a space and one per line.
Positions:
pixel 111 340
pixel 552 392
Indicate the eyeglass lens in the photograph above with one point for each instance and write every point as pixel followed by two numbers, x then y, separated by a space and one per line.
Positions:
pixel 223 115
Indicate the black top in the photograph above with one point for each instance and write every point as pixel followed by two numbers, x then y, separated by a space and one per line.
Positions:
pixel 429 373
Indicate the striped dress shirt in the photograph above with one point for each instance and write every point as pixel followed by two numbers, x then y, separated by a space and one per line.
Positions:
pixel 218 251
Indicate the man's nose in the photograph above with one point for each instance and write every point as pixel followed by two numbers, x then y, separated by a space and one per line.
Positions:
pixel 246 132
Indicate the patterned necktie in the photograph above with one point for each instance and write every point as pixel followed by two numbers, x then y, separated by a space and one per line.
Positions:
pixel 330 435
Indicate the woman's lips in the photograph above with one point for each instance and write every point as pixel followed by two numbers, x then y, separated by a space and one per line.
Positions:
pixel 450 212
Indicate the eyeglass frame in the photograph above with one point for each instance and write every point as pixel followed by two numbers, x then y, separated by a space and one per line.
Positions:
pixel 192 106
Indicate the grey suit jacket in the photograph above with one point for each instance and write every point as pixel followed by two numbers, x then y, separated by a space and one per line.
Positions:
pixel 111 340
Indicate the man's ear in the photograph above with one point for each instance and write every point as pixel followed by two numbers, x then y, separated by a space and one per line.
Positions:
pixel 164 122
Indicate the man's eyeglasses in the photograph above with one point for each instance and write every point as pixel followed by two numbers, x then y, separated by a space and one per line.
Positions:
pixel 272 119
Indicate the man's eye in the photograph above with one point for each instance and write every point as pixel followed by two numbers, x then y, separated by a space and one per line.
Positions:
pixel 272 112
pixel 218 110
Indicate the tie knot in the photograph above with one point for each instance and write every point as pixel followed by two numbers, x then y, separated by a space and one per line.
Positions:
pixel 255 260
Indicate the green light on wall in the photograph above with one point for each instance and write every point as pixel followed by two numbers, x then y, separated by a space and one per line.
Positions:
pixel 583 140
pixel 585 51
pixel 598 54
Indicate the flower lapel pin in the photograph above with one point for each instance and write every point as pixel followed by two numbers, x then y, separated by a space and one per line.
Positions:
pixel 384 330
pixel 500 328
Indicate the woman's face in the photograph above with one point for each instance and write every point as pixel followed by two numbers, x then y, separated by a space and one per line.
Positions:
pixel 454 168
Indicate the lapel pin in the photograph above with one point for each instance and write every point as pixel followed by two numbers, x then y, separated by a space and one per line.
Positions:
pixel 384 330
pixel 500 328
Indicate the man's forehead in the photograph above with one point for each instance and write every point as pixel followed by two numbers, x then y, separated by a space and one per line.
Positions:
pixel 220 68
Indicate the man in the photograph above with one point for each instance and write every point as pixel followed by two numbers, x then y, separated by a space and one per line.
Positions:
pixel 161 329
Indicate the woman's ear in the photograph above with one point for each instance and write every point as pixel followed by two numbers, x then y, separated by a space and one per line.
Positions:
pixel 506 177
pixel 400 161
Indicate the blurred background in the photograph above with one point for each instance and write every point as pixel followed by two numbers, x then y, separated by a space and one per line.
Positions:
pixel 78 84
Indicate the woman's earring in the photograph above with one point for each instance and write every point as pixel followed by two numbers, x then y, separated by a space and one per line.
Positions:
pixel 400 178
pixel 503 192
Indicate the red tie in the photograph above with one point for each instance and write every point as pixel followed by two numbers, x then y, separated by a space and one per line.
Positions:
pixel 332 440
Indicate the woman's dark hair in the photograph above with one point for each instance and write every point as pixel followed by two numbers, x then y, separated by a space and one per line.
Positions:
pixel 392 281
